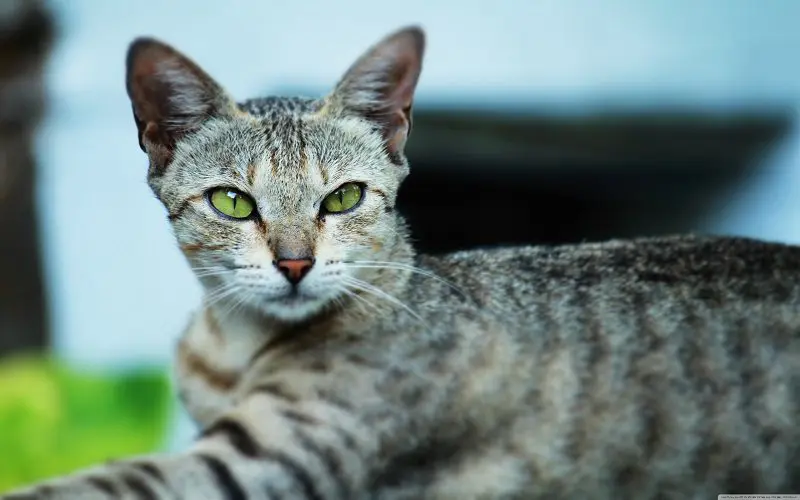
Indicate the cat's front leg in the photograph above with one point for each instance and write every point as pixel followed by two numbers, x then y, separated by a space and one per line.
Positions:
pixel 145 477
pixel 287 437
pixel 231 461
pixel 212 474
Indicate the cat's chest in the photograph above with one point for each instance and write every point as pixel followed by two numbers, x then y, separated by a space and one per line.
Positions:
pixel 210 363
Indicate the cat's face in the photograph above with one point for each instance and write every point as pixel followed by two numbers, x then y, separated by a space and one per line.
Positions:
pixel 284 206
pixel 278 217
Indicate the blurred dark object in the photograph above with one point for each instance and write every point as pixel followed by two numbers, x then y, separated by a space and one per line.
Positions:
pixel 490 178
pixel 26 35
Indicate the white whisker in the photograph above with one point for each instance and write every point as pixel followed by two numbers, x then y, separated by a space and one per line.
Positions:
pixel 211 272
pixel 376 264
pixel 361 301
pixel 220 293
pixel 237 304
pixel 366 287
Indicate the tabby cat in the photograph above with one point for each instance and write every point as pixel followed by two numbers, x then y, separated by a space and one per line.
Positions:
pixel 329 361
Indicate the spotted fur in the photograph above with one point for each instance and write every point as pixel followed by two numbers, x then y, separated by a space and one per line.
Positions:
pixel 654 368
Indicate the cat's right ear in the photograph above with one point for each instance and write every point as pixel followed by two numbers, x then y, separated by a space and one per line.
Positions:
pixel 171 97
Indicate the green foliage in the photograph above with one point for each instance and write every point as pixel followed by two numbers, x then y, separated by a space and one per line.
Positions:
pixel 55 419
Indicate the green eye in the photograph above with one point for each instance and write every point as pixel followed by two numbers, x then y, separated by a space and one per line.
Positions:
pixel 232 203
pixel 343 199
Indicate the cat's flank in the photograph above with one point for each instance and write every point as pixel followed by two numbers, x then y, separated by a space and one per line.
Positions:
pixel 328 361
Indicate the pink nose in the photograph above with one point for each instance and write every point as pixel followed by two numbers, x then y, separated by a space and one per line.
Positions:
pixel 294 269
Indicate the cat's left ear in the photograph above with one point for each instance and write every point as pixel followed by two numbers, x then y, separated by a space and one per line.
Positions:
pixel 380 86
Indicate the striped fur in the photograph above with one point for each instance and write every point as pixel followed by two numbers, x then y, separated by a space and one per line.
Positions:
pixel 654 368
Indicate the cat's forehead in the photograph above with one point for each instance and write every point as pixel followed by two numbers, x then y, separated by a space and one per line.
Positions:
pixel 300 141
pixel 274 107
pixel 287 147
pixel 294 125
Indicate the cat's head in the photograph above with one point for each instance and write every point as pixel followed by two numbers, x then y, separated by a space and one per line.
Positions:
pixel 281 205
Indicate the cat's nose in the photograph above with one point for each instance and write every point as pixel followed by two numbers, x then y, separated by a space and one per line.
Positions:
pixel 294 269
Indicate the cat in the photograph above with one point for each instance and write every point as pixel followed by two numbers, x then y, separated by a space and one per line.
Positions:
pixel 329 361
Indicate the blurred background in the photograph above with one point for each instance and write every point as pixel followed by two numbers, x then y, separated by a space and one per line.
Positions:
pixel 544 121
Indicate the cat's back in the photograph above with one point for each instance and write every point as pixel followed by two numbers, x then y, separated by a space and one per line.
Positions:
pixel 741 266
pixel 705 271
pixel 664 366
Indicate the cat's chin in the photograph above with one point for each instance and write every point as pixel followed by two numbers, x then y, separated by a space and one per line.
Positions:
pixel 293 309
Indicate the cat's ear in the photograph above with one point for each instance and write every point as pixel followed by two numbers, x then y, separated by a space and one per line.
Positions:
pixel 171 96
pixel 380 86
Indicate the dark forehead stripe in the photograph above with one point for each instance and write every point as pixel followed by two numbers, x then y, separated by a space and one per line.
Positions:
pixel 288 143
pixel 251 173
pixel 301 144
pixel 273 106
